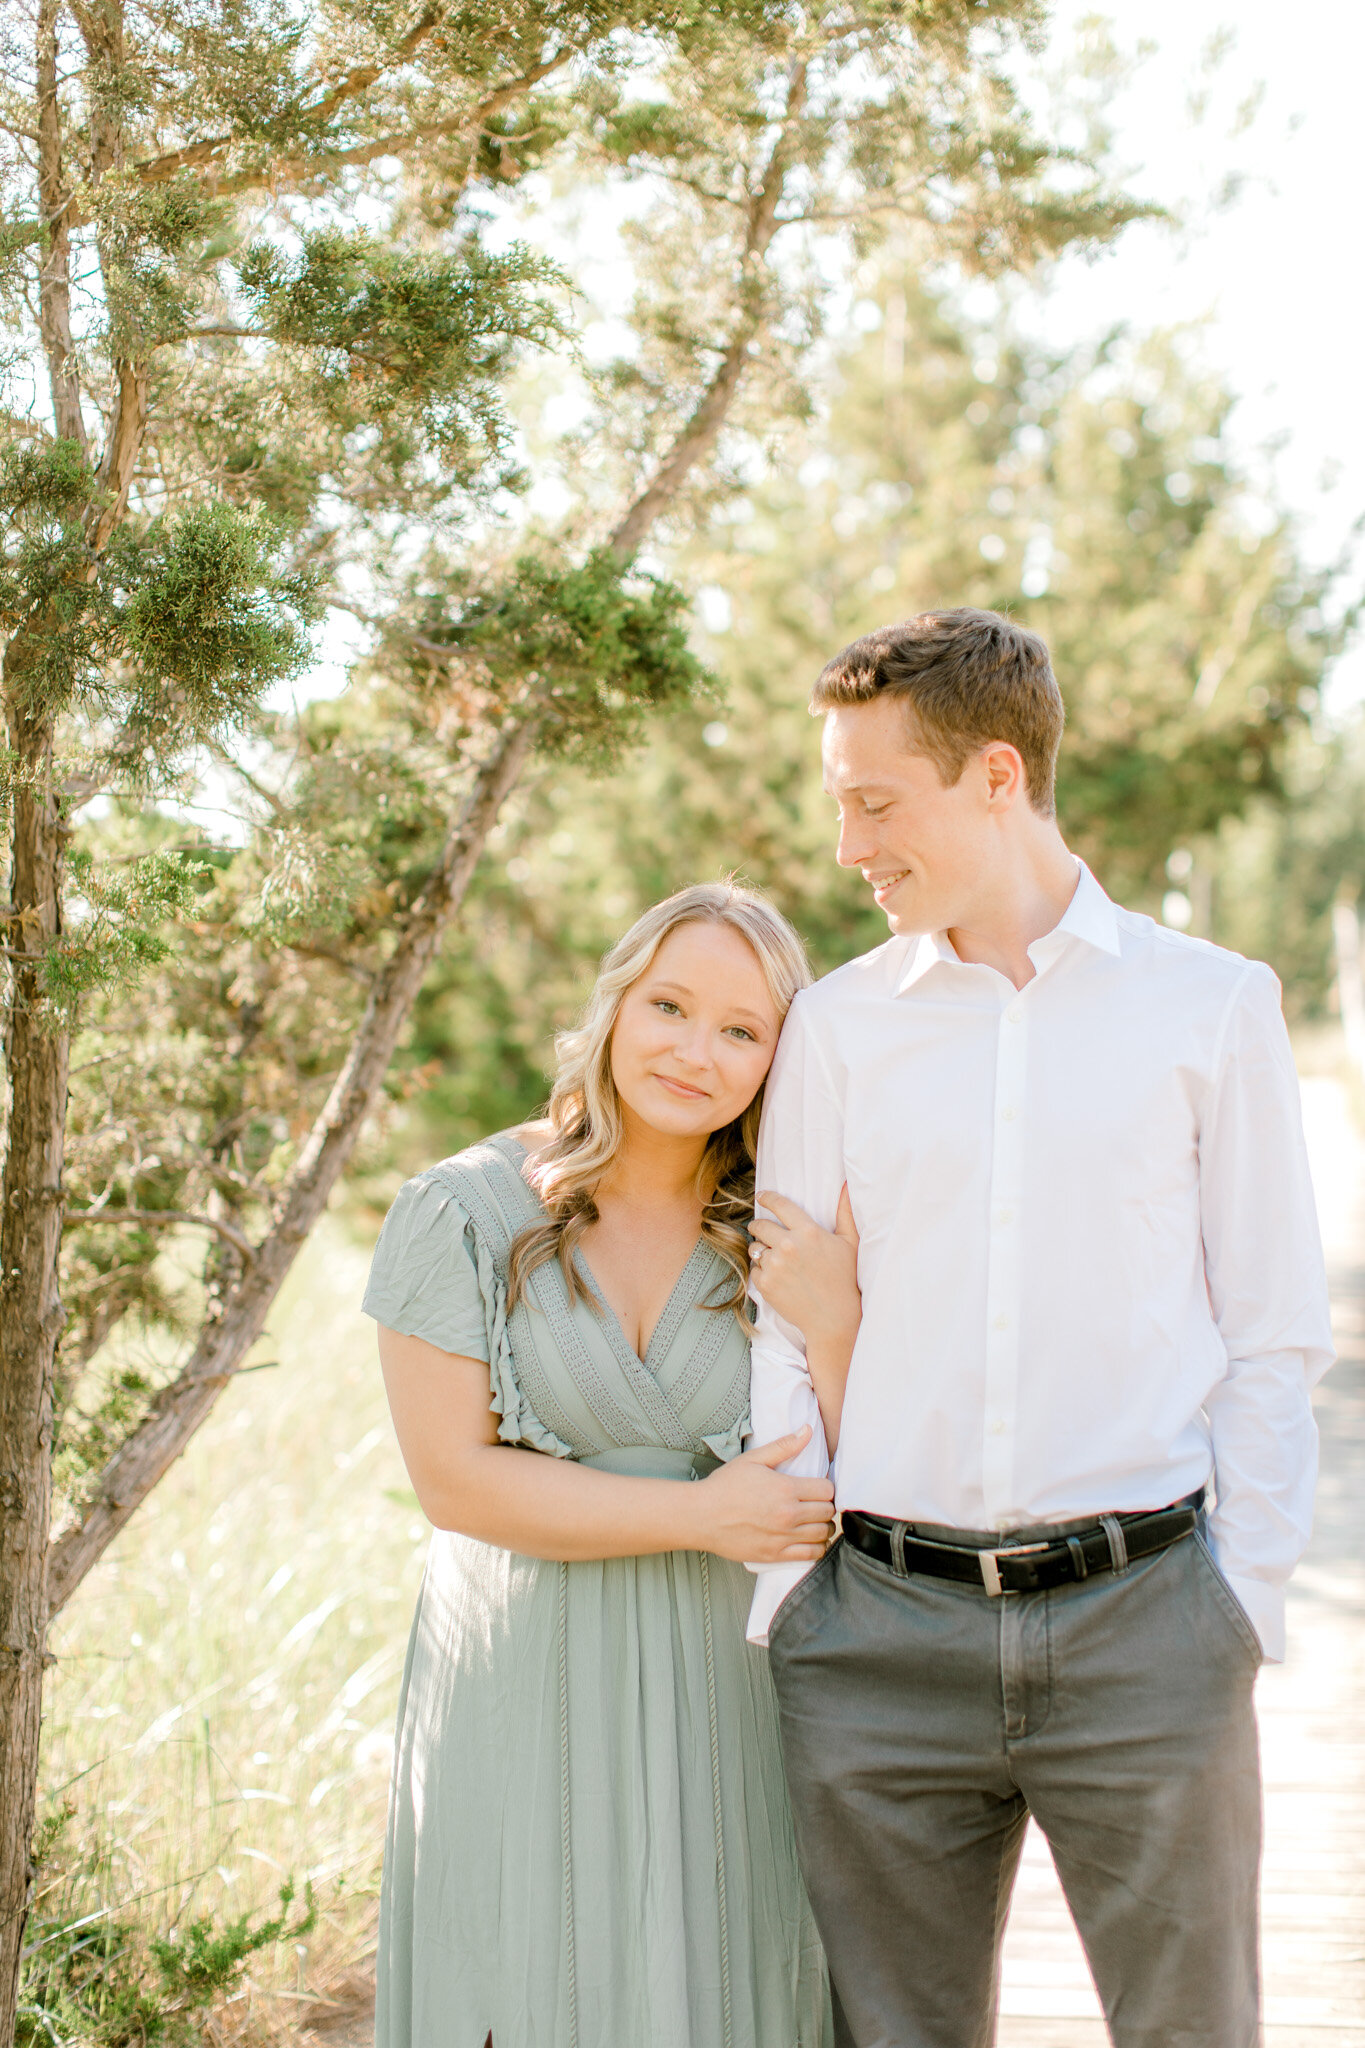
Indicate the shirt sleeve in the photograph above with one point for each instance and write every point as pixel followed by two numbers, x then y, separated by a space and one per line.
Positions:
pixel 424 1280
pixel 1268 1291
pixel 800 1155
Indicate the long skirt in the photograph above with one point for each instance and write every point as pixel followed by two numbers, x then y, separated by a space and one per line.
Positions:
pixel 589 1842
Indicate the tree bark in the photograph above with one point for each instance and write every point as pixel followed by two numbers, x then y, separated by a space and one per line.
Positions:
pixel 36 1060
pixel 30 1322
pixel 54 285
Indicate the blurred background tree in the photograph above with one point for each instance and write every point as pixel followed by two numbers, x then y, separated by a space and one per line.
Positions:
pixel 951 460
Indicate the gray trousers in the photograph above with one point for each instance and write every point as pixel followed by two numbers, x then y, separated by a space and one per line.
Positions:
pixel 922 1723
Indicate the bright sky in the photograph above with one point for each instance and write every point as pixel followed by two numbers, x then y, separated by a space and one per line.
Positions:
pixel 1277 277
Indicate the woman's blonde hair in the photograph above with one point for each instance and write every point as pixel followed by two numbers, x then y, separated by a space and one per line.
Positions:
pixel 585 1109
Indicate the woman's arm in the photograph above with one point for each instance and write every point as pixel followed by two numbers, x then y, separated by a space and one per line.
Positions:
pixel 548 1507
pixel 810 1277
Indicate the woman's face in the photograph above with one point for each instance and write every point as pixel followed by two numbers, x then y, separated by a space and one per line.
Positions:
pixel 695 1035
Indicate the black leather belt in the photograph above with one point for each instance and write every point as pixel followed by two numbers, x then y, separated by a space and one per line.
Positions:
pixel 1113 1543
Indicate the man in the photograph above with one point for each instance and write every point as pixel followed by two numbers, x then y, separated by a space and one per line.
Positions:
pixel 1073 1452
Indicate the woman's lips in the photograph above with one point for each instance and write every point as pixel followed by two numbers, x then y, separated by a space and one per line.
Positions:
pixel 682 1088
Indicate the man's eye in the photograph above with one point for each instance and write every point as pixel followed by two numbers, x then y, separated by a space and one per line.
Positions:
pixel 877 810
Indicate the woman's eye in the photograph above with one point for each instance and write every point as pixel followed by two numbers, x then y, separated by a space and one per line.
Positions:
pixel 738 1031
pixel 669 1009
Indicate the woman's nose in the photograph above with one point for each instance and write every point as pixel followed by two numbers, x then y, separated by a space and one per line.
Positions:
pixel 694 1050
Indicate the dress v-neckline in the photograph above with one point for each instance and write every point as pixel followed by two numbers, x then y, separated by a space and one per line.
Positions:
pixel 611 1322
pixel 616 1328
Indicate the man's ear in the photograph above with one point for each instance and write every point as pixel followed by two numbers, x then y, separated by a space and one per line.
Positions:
pixel 1006 781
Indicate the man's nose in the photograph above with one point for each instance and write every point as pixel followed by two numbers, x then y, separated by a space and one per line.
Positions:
pixel 854 849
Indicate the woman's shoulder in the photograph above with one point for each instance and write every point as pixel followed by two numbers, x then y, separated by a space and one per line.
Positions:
pixel 489 1169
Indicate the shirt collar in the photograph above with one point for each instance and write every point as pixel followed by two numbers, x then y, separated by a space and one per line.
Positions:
pixel 1090 916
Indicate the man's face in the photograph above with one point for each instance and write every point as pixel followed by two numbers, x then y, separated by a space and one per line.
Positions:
pixel 925 850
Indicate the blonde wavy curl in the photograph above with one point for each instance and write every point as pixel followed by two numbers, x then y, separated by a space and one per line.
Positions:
pixel 584 1110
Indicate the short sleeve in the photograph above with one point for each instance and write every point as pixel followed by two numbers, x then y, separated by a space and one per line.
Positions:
pixel 424 1280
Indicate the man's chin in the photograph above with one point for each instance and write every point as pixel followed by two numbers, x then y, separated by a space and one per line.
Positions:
pixel 906 912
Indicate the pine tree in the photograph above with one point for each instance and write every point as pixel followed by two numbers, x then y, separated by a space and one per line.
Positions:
pixel 246 251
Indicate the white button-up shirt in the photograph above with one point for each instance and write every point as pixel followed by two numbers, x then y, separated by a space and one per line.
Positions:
pixel 1091 1273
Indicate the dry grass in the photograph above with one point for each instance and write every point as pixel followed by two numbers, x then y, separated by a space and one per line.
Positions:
pixel 222 1707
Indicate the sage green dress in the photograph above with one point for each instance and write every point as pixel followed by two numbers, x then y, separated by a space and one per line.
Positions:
pixel 589 1844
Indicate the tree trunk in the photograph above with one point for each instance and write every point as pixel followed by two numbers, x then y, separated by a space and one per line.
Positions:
pixel 30 1322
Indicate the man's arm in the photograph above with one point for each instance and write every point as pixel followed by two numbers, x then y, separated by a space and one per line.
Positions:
pixel 800 1155
pixel 1268 1291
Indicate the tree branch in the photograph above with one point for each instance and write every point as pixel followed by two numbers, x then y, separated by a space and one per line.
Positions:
pixel 161 1219
pixel 127 428
pixel 155 170
pixel 315 950
pixel 177 1410
pixel 699 435
pixel 54 277
pixel 268 796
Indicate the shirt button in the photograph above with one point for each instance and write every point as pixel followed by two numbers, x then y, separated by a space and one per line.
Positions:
pixel 997 1427
pixel 1002 1322
pixel 1007 1116
pixel 1014 1013
pixel 1004 1216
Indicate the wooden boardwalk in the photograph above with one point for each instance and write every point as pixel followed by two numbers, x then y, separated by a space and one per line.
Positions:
pixel 1312 1719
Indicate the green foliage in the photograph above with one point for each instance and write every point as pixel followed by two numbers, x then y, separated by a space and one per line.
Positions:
pixel 116 930
pixel 1272 874
pixel 212 616
pixel 104 1980
pixel 407 341
pixel 154 240
pixel 597 648
pixel 179 625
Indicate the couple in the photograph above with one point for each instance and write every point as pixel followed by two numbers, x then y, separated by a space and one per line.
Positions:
pixel 1038 1282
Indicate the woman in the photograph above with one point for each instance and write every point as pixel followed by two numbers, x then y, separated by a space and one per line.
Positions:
pixel 589 1844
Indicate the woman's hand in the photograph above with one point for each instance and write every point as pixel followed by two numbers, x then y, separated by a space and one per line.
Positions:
pixel 810 1277
pixel 755 1514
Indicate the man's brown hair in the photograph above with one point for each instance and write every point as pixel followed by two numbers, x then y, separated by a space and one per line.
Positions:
pixel 963 678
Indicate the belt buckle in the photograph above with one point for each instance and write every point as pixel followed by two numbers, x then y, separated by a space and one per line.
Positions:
pixel 990 1564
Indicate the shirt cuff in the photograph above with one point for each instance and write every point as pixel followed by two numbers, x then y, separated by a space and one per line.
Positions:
pixel 775 1581
pixel 1263 1606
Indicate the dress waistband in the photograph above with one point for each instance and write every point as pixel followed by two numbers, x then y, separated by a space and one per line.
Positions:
pixel 652 1461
